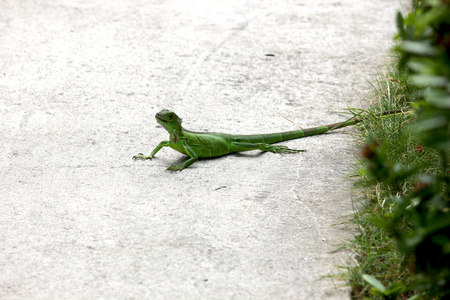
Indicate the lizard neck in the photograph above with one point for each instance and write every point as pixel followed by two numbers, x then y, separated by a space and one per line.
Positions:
pixel 176 134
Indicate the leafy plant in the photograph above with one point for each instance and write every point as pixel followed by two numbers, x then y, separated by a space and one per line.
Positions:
pixel 421 220
pixel 378 289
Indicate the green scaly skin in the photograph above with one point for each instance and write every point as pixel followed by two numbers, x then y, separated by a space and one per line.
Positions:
pixel 197 145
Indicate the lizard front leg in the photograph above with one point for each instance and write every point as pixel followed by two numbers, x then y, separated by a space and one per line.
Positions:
pixel 160 145
pixel 192 158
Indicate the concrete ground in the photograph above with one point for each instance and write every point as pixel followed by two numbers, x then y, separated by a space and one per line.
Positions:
pixel 80 84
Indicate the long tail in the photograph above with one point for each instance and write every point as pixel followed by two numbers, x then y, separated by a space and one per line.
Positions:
pixel 271 138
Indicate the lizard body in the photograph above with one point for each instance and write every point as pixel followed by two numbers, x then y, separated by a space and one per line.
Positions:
pixel 200 145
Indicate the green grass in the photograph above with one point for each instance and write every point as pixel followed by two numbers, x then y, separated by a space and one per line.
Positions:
pixel 403 216
pixel 375 250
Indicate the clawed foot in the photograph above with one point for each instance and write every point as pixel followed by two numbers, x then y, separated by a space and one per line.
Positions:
pixel 141 156
pixel 175 168
pixel 284 149
pixel 280 149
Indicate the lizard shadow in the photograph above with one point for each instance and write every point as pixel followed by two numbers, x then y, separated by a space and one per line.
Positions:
pixel 182 159
pixel 249 154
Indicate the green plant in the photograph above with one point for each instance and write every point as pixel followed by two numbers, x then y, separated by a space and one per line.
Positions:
pixel 421 219
pixel 374 247
pixel 378 289
pixel 404 240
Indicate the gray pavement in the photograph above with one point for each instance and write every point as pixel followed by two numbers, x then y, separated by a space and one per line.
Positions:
pixel 80 84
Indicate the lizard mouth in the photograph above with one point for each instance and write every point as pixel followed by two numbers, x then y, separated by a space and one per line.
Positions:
pixel 164 117
pixel 159 118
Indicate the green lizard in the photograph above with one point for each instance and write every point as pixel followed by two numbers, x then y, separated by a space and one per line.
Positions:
pixel 197 145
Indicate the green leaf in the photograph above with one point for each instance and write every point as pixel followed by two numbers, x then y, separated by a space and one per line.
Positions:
pixel 400 25
pixel 418 65
pixel 375 283
pixel 415 239
pixel 430 123
pixel 428 80
pixel 395 289
pixel 439 98
pixel 418 48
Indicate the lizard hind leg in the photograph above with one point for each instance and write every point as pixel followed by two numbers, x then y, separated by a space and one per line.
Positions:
pixel 278 148
pixel 241 146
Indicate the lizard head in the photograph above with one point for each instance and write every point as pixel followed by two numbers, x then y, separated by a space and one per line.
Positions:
pixel 169 120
